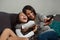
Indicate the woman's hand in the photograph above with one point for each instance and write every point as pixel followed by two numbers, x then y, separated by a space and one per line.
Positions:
pixel 45 20
pixel 35 28
pixel 47 23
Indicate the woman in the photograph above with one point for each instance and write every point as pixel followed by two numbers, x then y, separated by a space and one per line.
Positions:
pixel 44 29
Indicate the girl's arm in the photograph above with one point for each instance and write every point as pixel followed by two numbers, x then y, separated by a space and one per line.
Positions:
pixel 35 28
pixel 30 34
pixel 19 33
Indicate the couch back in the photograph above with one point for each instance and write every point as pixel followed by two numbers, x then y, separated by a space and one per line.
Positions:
pixel 57 17
pixel 4 21
pixel 13 20
pixel 7 21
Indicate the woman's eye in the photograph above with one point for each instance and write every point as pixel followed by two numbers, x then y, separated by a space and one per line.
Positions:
pixel 28 13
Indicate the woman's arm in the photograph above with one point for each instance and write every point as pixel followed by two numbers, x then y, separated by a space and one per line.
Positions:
pixel 41 17
pixel 44 19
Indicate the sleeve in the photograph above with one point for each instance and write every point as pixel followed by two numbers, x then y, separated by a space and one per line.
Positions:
pixel 18 26
pixel 28 25
pixel 30 34
pixel 42 17
pixel 18 32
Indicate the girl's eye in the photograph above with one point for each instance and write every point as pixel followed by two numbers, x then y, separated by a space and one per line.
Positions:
pixel 31 12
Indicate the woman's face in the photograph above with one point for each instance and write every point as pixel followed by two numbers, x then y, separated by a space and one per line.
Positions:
pixel 30 14
pixel 23 17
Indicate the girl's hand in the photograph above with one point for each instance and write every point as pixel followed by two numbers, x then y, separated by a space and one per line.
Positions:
pixel 35 29
pixel 24 30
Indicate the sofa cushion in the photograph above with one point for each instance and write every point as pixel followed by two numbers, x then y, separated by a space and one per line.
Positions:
pixel 56 26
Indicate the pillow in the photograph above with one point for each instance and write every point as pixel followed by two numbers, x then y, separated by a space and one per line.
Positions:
pixel 56 26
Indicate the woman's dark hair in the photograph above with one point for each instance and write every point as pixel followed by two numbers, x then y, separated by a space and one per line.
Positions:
pixel 28 7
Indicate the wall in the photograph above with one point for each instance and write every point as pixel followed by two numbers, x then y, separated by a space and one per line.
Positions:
pixel 41 6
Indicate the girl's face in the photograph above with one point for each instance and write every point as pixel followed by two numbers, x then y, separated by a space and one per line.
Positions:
pixel 30 14
pixel 23 17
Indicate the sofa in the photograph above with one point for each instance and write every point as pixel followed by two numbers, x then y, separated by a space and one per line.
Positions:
pixel 9 20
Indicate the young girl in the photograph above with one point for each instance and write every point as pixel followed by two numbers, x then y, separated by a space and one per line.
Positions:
pixel 8 34
pixel 24 26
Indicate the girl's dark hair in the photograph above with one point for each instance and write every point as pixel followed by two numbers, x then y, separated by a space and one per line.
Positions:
pixel 17 19
pixel 28 7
